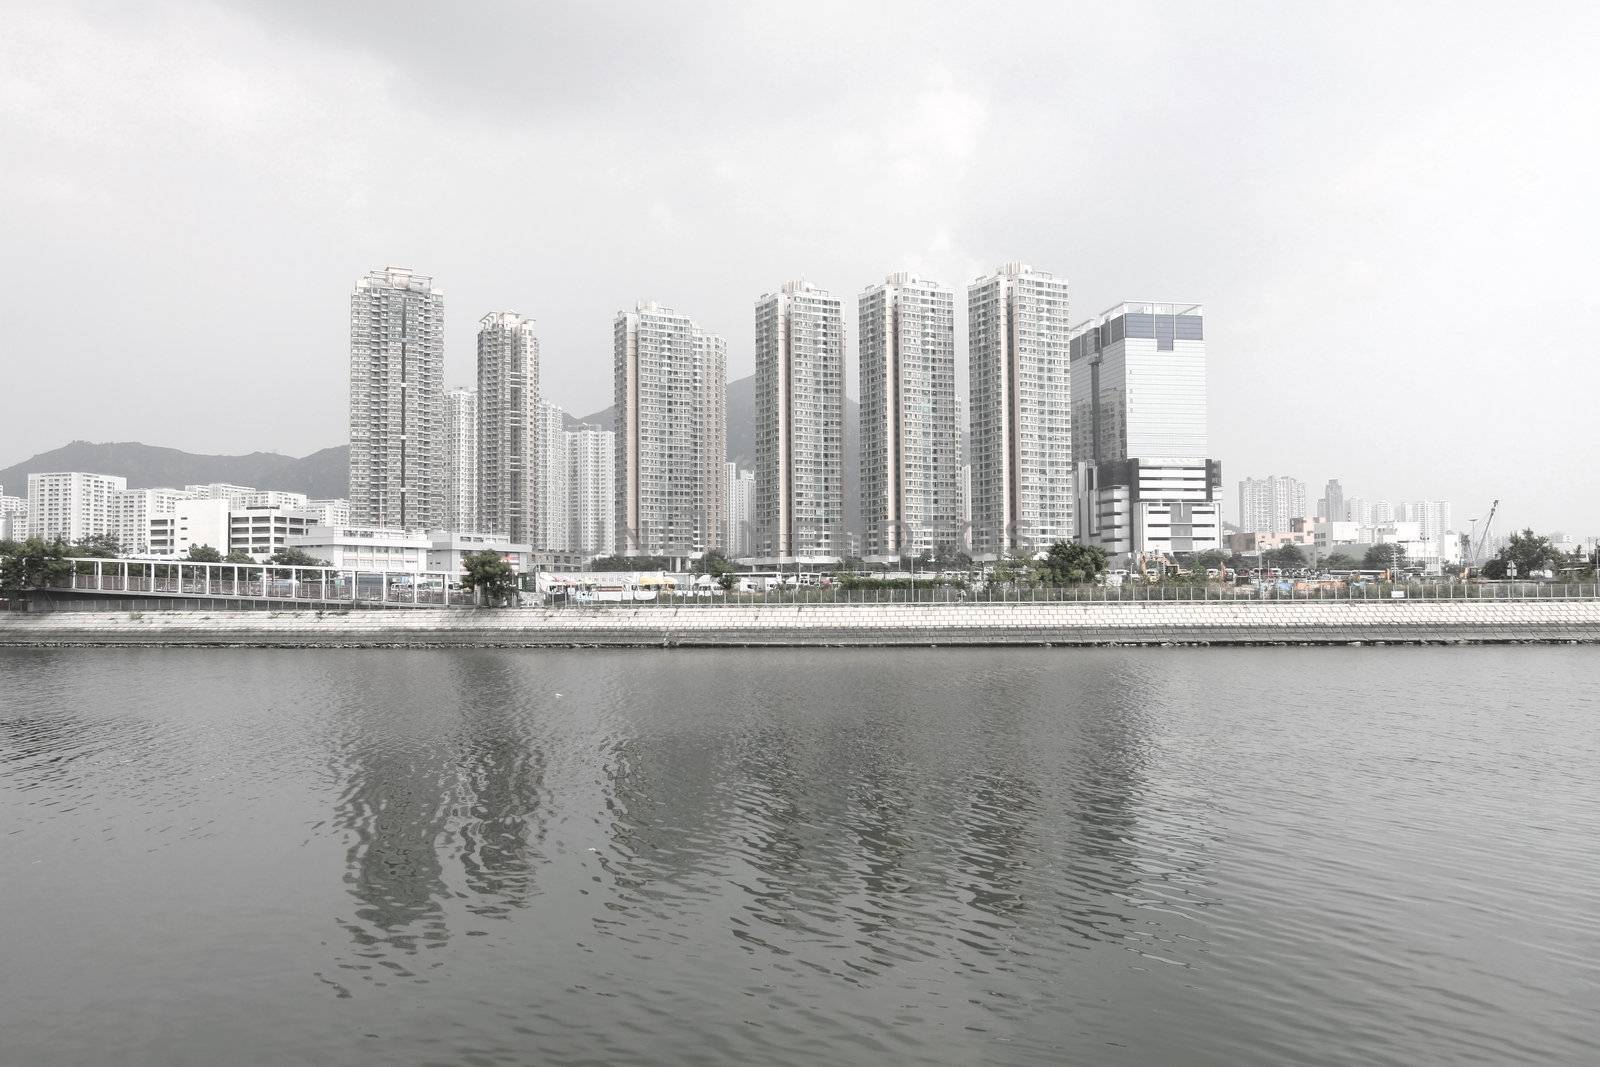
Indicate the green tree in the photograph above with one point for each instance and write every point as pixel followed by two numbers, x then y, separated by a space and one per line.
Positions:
pixel 1528 551
pixel 204 554
pixel 1286 556
pixel 1068 562
pixel 1342 561
pixel 32 564
pixel 1388 556
pixel 295 557
pixel 727 579
pixel 630 563
pixel 237 556
pixel 713 563
pixel 490 575
pixel 98 546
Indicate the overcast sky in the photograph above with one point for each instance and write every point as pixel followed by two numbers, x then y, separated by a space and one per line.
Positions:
pixel 1389 210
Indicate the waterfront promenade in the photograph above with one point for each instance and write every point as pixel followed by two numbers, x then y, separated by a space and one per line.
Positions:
pixel 1049 623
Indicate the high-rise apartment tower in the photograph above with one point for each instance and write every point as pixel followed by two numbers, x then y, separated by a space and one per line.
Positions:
pixel 671 391
pixel 508 427
pixel 1021 411
pixel 461 459
pixel 799 424
pixel 397 424
pixel 910 439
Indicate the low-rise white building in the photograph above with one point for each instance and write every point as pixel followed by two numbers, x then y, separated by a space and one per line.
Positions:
pixel 448 548
pixel 263 529
pixel 1332 534
pixel 193 521
pixel 366 548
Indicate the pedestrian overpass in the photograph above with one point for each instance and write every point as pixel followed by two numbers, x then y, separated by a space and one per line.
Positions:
pixel 259 583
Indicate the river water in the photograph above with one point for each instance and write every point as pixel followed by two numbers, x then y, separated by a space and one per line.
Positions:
pixel 1153 856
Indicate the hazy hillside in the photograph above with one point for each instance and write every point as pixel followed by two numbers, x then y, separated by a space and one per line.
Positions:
pixel 326 473
pixel 321 474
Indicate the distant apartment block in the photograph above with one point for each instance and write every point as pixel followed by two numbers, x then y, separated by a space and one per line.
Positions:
pixel 461 459
pixel 591 454
pixel 1144 479
pixel 670 386
pixel 910 438
pixel 72 505
pixel 799 356
pixel 1021 410
pixel 219 491
pixel 1433 517
pixel 508 427
pixel 330 512
pixel 1331 506
pixel 1268 505
pixel 13 517
pixel 397 431
pixel 740 539
pixel 134 509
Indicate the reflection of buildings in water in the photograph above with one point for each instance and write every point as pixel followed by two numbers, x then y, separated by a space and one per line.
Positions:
pixel 501 773
pixel 405 792
pixel 664 804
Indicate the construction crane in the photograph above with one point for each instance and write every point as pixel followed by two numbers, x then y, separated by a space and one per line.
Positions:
pixel 1477 547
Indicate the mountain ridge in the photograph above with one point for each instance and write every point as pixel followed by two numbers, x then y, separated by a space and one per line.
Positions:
pixel 325 473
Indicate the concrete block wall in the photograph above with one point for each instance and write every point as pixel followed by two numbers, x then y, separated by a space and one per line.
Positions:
pixel 1245 622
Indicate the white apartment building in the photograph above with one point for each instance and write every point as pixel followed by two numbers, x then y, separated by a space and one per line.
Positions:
pixel 13 517
pixel 1145 482
pixel 219 491
pixel 134 508
pixel 397 466
pixel 269 498
pixel 799 358
pixel 739 540
pixel 671 393
pixel 910 434
pixel 72 505
pixel 1021 411
pixel 508 427
pixel 461 459
pixel 554 488
pixel 591 453
pixel 1432 516
pixel 1268 505
pixel 366 548
pixel 330 512
pixel 965 505
pixel 193 521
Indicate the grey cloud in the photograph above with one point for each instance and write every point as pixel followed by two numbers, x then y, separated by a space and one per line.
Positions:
pixel 1367 198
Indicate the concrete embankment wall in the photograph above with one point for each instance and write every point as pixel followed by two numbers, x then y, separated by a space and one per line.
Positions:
pixel 1245 622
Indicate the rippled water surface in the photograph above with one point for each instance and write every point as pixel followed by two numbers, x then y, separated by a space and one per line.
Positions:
pixel 1255 856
